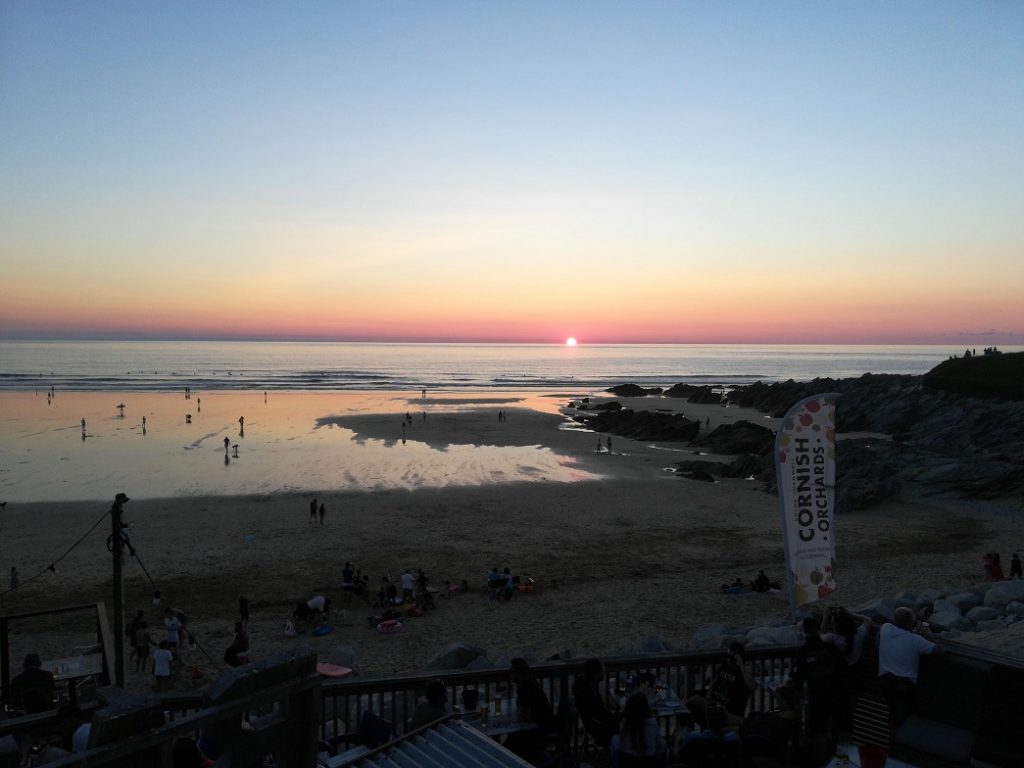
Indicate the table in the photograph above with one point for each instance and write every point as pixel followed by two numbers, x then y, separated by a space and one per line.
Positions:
pixel 74 668
pixel 333 670
pixel 853 759
pixel 503 726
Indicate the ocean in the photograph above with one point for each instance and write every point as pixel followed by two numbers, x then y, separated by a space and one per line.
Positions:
pixel 80 444
pixel 164 366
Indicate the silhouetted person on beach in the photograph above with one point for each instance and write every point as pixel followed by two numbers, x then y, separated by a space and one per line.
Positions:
pixel 609 445
pixel 227 442
pixel 321 513
pixel 312 511
pixel 1015 569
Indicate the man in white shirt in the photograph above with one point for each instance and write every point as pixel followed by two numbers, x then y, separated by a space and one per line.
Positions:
pixel 162 667
pixel 900 648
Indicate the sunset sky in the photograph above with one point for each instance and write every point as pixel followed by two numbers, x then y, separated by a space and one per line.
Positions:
pixel 513 171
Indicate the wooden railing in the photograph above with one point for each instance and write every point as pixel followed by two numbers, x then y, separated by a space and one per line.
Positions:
pixel 394 697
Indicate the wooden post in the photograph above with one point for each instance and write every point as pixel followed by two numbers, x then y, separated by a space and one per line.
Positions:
pixel 116 547
pixel 5 661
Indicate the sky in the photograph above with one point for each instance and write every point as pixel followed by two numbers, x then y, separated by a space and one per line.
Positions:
pixel 692 172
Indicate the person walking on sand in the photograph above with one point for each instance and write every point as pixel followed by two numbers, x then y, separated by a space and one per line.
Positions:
pixel 312 511
pixel 142 639
pixel 609 444
pixel 598 445
pixel 321 514
pixel 243 610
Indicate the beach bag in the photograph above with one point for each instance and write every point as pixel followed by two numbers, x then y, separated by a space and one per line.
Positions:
pixel 389 627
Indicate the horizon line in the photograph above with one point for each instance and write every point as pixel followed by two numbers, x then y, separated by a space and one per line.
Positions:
pixel 1010 339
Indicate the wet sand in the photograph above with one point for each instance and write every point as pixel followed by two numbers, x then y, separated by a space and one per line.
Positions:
pixel 620 548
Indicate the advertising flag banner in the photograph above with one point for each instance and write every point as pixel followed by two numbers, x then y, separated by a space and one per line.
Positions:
pixel 805 459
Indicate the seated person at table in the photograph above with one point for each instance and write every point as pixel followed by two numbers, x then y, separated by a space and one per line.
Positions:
pixel 770 734
pixel 534 707
pixel 717 732
pixel 433 706
pixel 640 735
pixel 598 720
pixel 32 690
pixel 731 688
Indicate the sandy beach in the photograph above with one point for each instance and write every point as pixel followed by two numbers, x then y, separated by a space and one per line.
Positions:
pixel 619 547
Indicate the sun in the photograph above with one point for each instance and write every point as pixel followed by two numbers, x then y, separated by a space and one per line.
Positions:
pixel 570 342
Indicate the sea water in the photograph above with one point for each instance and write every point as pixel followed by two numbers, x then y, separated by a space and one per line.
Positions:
pixel 213 365
pixel 285 391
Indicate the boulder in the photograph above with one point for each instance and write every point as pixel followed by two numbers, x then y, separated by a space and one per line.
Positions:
pixel 981 613
pixel 928 596
pixel 787 635
pixel 611 405
pixel 964 601
pixel 945 606
pixel 1004 592
pixel 1016 608
pixel 883 608
pixel 457 655
pixel 906 599
pixel 709 637
pixel 949 620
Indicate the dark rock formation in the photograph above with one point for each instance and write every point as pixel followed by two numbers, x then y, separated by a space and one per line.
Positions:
pixel 612 405
pixel 633 390
pixel 644 425
pixel 947 442
pixel 993 374
pixel 695 393
pixel 741 437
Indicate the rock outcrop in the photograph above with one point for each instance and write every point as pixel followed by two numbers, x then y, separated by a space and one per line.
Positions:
pixel 644 425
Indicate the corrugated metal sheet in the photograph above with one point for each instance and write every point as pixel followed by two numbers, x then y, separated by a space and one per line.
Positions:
pixel 447 745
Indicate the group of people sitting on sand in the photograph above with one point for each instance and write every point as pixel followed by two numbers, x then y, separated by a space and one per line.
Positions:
pixel 761 583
